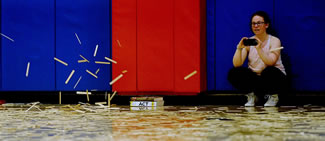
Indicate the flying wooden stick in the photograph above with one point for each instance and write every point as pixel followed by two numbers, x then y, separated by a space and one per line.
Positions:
pixel 275 49
pixel 67 81
pixel 64 63
pixel 77 82
pixel 77 38
pixel 117 78
pixel 27 70
pixel 100 62
pixel 7 37
pixel 118 42
pixel 84 58
pixel 190 75
pixel 111 60
pixel 91 74
pixel 95 51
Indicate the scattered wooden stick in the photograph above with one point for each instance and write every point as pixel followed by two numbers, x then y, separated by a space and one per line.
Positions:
pixel 100 62
pixel 91 74
pixel 64 63
pixel 60 97
pixel 87 96
pixel 100 104
pixel 118 42
pixel 32 106
pixel 109 101
pixel 97 71
pixel 113 61
pixel 125 71
pixel 7 37
pixel 79 111
pixel 77 82
pixel 81 92
pixel 95 50
pixel 275 49
pixel 82 61
pixel 27 70
pixel 83 58
pixel 67 81
pixel 117 78
pixel 113 95
pixel 78 38
pixel 190 75
pixel 88 109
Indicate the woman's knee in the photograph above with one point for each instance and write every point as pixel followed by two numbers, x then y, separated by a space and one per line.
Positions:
pixel 271 71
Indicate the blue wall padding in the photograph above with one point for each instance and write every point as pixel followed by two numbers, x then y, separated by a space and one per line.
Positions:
pixel 229 23
pixel 298 24
pixel 31 25
pixel 43 30
pixel 91 21
pixel 301 29
pixel 211 62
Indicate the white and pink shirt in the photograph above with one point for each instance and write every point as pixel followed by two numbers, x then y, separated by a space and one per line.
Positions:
pixel 256 64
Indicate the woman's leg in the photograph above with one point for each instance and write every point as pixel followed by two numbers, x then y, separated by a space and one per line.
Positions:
pixel 243 79
pixel 274 83
pixel 274 80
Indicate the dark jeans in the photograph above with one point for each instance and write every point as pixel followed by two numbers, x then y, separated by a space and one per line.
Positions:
pixel 271 80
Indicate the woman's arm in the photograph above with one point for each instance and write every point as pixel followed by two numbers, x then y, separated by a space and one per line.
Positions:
pixel 269 58
pixel 240 54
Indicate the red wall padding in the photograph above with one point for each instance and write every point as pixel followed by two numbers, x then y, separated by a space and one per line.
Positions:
pixel 155 45
pixel 124 49
pixel 162 42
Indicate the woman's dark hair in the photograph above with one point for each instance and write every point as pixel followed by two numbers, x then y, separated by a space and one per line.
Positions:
pixel 267 20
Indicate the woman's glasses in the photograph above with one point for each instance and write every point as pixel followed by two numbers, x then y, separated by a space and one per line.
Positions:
pixel 257 23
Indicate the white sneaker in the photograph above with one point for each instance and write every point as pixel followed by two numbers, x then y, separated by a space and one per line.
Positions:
pixel 251 98
pixel 272 100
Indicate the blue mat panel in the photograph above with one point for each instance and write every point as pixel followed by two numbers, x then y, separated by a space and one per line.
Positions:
pixel 31 26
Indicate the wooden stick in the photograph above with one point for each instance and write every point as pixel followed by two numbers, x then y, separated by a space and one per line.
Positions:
pixel 118 42
pixel 83 58
pixel 32 106
pixel 125 71
pixel 275 49
pixel 111 60
pixel 77 82
pixel 81 92
pixel 117 78
pixel 27 70
pixel 100 62
pixel 67 81
pixel 190 75
pixel 87 95
pixel 78 38
pixel 76 109
pixel 95 50
pixel 91 74
pixel 82 61
pixel 7 37
pixel 113 95
pixel 109 101
pixel 64 63
pixel 60 97
pixel 97 71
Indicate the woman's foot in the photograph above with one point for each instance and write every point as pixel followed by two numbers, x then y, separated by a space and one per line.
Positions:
pixel 272 100
pixel 251 99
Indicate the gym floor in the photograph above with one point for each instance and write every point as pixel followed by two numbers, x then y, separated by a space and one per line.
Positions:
pixel 38 121
pixel 38 116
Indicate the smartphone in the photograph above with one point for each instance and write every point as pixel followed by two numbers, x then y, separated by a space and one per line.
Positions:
pixel 250 42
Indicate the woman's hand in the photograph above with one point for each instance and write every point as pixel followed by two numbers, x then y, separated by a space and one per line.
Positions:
pixel 241 44
pixel 259 43
pixel 240 54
